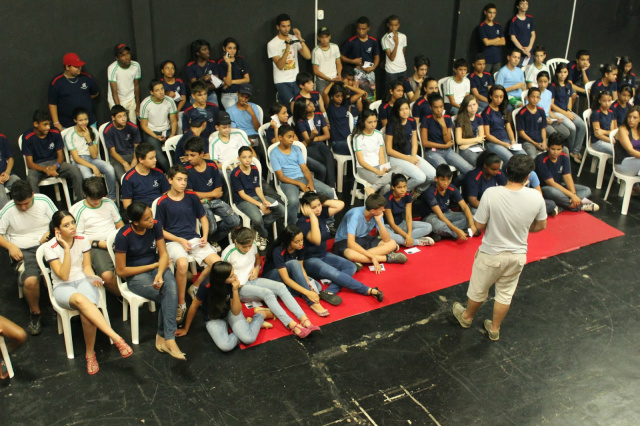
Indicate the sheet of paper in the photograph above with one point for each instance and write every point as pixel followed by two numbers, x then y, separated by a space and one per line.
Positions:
pixel 476 148
pixel 216 81
pixel 252 305
pixel 312 125
pixel 412 250
pixel 516 147
pixel 367 64
pixel 372 268
pixel 275 118
pixel 93 278
pixel 274 203
pixel 384 166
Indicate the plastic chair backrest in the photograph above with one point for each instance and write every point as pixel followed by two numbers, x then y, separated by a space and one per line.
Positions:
pixel 441 84
pixel 170 147
pixel 586 116
pixel 375 105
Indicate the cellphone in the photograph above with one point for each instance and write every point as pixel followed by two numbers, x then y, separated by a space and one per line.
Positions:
pixel 226 54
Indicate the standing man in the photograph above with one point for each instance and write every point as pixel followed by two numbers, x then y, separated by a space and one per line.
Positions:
pixel 69 90
pixel 363 53
pixel 124 82
pixel 283 51
pixel 503 251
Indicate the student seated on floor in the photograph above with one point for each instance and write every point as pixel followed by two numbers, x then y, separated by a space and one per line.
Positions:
pixel 353 239
pixel 144 183
pixel 398 215
pixel 532 125
pixel 121 138
pixel 438 199
pixel 554 170
pixel 486 174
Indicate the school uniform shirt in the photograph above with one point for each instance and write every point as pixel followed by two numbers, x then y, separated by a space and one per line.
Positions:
pixel 629 79
pixel 70 93
pixel 475 183
pixel 598 86
pixel 457 89
pixel 240 181
pixel 123 140
pixel 354 223
pixel 475 124
pixel 421 109
pixel 24 229
pixel 280 256
pixel 277 47
pixel 180 152
pixel 303 125
pixel 481 82
pixel 411 85
pixel 561 95
pixel 137 187
pixel 383 113
pixel 304 223
pixel 73 141
pixel 125 78
pixel 522 28
pixel 355 48
pixel 575 74
pixel 239 68
pixel 179 216
pixel 547 169
pixel 5 153
pixel 507 78
pixel 369 146
pixel 45 149
pixel 242 119
pixel 399 64
pixel 157 113
pixel 409 128
pixel 492 54
pixel 325 59
pixel 531 73
pixel 398 207
pixel 96 223
pixel 206 180
pixel 242 263
pixel 314 97
pixel 193 70
pixel 141 250
pixel 605 121
pixel 435 129
pixel 222 151
pixel 203 296
pixel 177 86
pixel 432 198
pixel 339 120
pixel 497 125
pixel 54 251
pixel 619 112
pixel 532 123
pixel 288 163
pixel 209 112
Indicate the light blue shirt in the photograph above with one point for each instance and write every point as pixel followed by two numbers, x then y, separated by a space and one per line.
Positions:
pixel 545 101
pixel 289 164
pixel 534 180
pixel 242 119
pixel 354 223
pixel 508 78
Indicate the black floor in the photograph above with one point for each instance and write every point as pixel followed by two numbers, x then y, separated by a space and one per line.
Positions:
pixel 568 355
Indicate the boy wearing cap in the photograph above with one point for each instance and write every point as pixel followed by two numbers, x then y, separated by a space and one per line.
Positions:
pixel 325 59
pixel 158 120
pixel 124 75
pixel 201 108
pixel 69 90
pixel 244 114
pixel 224 147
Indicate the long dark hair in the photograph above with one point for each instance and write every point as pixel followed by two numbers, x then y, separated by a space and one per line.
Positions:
pixel 78 111
pixel 358 129
pixel 622 62
pixel 220 271
pixel 399 141
pixel 299 113
pixel 391 87
pixel 635 108
pixel 487 158
pixel 56 220
pixel 463 117
pixel 505 101
pixel 284 238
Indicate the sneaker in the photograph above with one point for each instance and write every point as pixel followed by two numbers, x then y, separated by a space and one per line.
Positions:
pixel 180 315
pixel 435 237
pixel 358 266
pixel 396 258
pixel 458 310
pixel 216 247
pixel 493 335
pixel 591 207
pixel 379 295
pixel 425 241
pixel 330 298
pixel 261 242
pixel 554 212
pixel 35 324
pixel 192 292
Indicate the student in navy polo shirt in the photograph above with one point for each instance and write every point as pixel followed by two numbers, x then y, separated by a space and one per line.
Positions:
pixel 363 52
pixel 579 71
pixel 249 198
pixel 625 74
pixel 622 105
pixel 304 80
pixel 121 138
pixel 144 182
pixel 603 122
pixel 486 174
pixel 141 258
pixel 177 211
pixel 203 69
pixel 338 103
pixel 398 215
pixel 6 166
pixel 413 84
pixel 197 125
pixel 497 124
pixel 522 30
pixel 421 107
pixel 554 170
pixel 481 81
pixel 174 88
pixel 438 199
pixel 563 97
pixel 234 70
pixel 200 107
pixel 492 36
pixel 608 82
pixel 469 130
pixel 42 147
pixel 395 92
pixel 69 90
pixel 531 123
pixel 205 180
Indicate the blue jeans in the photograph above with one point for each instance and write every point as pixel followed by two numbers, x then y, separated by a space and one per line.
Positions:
pixel 390 77
pixel 602 146
pixel 470 156
pixel 268 291
pixel 229 99
pixel 3 193
pixel 292 192
pixel 241 330
pixel 105 168
pixel 420 176
pixel 504 153
pixel 259 221
pixel 323 155
pixel 577 132
pixel 419 230
pixel 167 297
pixel 458 219
pixel 340 147
pixel 163 161
pixel 555 195
pixel 482 106
pixel 447 156
pixel 213 97
pixel 228 219
pixel 336 269
pixel 286 92
pixel 294 269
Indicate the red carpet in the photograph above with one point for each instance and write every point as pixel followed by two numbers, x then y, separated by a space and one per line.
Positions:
pixel 449 263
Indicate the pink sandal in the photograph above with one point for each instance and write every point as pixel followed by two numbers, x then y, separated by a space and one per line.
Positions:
pixel 92 364
pixel 309 325
pixel 302 331
pixel 125 350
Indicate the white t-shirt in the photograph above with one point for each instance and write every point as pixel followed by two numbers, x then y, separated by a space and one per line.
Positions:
pixel 242 263
pixel 72 140
pixel 53 250
pixel 326 59
pixel 24 229
pixel 508 215
pixel 125 78
pixel 158 113
pixel 369 145
pixel 227 151
pixel 96 223
pixel 458 90
pixel 531 73
pixel 399 64
pixel 276 47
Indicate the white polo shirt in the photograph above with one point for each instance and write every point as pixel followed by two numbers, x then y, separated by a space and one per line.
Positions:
pixel 158 113
pixel 369 145
pixel 24 229
pixel 96 222
pixel 242 263
pixel 125 78
pixel 53 250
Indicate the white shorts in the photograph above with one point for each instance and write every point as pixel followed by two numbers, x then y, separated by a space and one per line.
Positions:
pixel 199 254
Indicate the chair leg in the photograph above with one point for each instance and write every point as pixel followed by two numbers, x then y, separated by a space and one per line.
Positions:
pixel 628 189
pixel 60 326
pixel 125 309
pixel 135 333
pixel 152 306
pixel 56 189
pixel 5 357
pixel 340 175
pixel 584 159
pixel 20 291
pixel 594 164
pixel 606 195
pixel 68 337
pixel 601 169
pixel 623 187
pixel 103 308
pixel 68 197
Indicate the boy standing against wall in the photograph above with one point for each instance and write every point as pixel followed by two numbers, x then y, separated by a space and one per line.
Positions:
pixel 325 59
pixel 124 76
pixel 363 53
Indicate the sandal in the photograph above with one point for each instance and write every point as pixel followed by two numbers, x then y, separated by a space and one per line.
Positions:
pixel 309 325
pixel 322 313
pixel 125 350
pixel 92 364
pixel 177 355
pixel 302 331
pixel 265 312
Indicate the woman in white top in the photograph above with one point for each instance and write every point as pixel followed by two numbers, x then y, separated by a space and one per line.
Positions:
pixel 70 262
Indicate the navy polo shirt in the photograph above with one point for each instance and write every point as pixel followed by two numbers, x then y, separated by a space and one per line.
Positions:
pixel 239 68
pixel 179 217
pixel 270 134
pixel 491 53
pixel 398 207
pixel 522 29
pixel 210 112
pixel 482 82
pixel 435 129
pixel 304 223
pixel 314 97
pixel 240 181
pixel 45 149
pixel 383 113
pixel 532 123
pixel 497 125
pixel 619 112
pixel 122 139
pixel 339 119
pixel 575 75
pixel 421 109
pixel 303 125
pixel 177 86
pixel 5 153
pixel 280 256
pixel 68 96
pixel 141 250
pixel 203 296
pixel 598 86
pixel 145 189
pixel 205 181
pixel 629 79
pixel 432 198
pixel 475 183
pixel 193 70
pixel 180 152
pixel 561 94
pixel 475 123
pixel 409 128
pixel 605 120
pixel 547 169
pixel 367 50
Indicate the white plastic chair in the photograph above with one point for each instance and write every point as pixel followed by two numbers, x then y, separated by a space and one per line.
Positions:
pixel 587 89
pixel 441 84
pixel 260 113
pixel 553 63
pixel 356 179
pixel 170 146
pixel 50 180
pixel 514 122
pixel 599 158
pixel 626 182
pixel 523 96
pixel 130 300
pixel 102 142
pixel 6 357
pixel 495 75
pixel 64 315
pixel 276 183
pixel 342 159
pixel 375 105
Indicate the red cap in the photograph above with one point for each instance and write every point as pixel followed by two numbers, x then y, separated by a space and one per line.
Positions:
pixel 72 59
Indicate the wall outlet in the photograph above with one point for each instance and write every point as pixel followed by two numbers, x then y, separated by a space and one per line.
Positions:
pixel 320 15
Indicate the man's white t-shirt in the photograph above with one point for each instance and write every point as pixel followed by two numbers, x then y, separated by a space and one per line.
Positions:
pixel 53 250
pixel 157 113
pixel 96 223
pixel 125 78
pixel 326 59
pixel 458 90
pixel 242 263
pixel 227 151
pixel 399 64
pixel 369 146
pixel 276 47
pixel 24 229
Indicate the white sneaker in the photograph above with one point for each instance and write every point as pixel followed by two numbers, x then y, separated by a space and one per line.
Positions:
pixel 216 247
pixel 192 292
pixel 425 241
pixel 261 243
